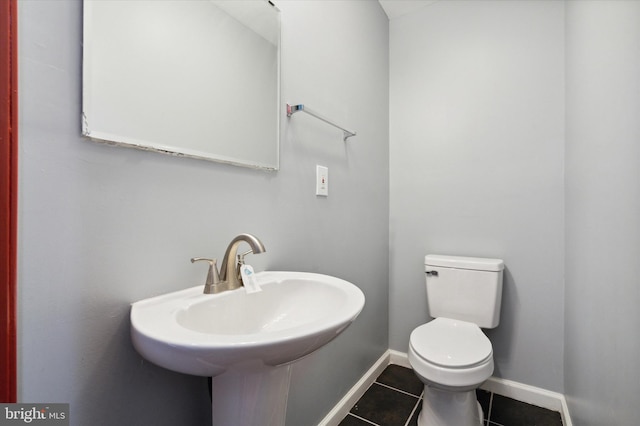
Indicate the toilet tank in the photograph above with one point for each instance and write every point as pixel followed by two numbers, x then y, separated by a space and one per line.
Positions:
pixel 464 288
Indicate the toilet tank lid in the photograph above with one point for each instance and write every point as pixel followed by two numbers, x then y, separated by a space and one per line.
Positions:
pixel 462 262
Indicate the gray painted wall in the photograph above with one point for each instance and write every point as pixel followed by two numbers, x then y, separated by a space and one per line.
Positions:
pixel 476 167
pixel 101 227
pixel 602 378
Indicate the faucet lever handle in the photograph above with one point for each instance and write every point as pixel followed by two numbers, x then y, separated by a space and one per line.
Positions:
pixel 213 278
pixel 241 256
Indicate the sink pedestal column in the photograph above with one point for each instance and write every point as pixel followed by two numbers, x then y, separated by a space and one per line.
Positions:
pixel 251 396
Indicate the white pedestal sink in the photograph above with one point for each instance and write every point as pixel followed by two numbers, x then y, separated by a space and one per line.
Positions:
pixel 246 342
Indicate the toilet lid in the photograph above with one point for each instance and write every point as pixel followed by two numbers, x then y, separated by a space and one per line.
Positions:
pixel 451 343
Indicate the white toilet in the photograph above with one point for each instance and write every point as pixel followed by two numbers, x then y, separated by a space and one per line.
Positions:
pixel 450 354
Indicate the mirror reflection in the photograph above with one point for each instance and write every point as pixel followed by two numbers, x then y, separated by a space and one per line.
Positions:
pixel 191 78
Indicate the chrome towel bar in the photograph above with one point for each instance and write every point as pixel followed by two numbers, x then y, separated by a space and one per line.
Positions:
pixel 292 109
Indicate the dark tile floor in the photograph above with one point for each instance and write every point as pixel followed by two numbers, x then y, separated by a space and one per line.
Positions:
pixel 395 399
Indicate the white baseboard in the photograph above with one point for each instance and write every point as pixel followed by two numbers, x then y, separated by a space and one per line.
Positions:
pixel 399 358
pixel 343 407
pixel 531 395
pixel 518 391
pixel 566 417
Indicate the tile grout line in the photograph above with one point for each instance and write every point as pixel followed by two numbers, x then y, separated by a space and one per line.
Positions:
pixel 415 407
pixel 489 410
pixel 489 422
pixel 363 419
pixel 397 390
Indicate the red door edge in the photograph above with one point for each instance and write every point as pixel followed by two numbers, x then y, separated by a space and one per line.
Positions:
pixel 8 199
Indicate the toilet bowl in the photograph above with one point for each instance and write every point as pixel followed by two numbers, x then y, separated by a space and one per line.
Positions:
pixel 452 358
pixel 450 354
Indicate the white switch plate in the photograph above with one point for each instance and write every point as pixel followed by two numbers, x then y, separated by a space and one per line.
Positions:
pixel 322 181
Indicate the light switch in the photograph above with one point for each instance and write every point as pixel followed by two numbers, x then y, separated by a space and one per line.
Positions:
pixel 322 181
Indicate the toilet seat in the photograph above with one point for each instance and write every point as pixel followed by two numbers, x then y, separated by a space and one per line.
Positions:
pixel 451 354
pixel 451 343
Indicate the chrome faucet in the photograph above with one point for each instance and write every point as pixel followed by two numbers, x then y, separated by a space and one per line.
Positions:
pixel 229 277
pixel 230 271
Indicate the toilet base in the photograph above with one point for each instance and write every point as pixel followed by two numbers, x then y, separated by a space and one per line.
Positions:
pixel 446 408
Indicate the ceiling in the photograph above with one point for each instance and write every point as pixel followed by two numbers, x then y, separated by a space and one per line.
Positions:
pixel 396 8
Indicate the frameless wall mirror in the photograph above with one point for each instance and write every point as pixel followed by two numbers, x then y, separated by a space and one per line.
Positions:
pixel 196 78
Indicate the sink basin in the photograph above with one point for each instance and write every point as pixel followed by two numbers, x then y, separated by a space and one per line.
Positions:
pixel 205 335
